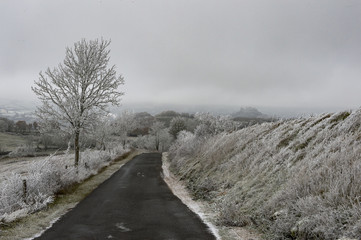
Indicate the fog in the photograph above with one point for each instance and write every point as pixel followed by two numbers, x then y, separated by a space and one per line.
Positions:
pixel 278 54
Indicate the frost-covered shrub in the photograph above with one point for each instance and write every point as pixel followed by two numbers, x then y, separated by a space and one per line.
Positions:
pixel 293 179
pixel 43 179
pixel 11 194
pixel 34 189
pixel 91 161
pixel 37 186
pixel 184 145
pixel 118 150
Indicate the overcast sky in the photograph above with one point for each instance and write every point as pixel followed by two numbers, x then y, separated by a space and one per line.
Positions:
pixel 262 53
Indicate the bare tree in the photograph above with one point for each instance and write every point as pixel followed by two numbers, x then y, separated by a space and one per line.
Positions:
pixel 76 92
pixel 102 132
pixel 162 138
pixel 125 123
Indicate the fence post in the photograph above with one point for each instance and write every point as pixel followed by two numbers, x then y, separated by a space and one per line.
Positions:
pixel 25 190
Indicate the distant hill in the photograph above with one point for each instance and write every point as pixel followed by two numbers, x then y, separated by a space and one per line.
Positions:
pixel 248 112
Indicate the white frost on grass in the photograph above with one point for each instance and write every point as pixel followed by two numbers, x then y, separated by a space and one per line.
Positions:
pixel 179 190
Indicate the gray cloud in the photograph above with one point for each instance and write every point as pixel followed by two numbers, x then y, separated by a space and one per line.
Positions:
pixel 262 53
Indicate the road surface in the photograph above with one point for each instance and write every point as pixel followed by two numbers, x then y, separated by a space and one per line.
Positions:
pixel 135 203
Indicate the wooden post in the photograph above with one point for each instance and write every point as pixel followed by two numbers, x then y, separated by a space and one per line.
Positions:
pixel 25 190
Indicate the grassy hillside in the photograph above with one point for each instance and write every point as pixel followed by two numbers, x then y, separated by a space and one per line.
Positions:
pixel 294 179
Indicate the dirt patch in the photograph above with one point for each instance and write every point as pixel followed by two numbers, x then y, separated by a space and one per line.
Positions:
pixel 34 224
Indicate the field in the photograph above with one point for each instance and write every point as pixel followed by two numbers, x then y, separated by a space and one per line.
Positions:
pixel 9 142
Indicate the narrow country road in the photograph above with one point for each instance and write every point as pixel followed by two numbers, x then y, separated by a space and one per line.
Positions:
pixel 135 203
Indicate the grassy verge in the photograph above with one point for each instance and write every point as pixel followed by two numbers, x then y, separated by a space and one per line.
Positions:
pixel 35 223
pixel 204 208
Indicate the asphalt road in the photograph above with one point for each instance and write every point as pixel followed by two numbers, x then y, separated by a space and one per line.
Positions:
pixel 135 203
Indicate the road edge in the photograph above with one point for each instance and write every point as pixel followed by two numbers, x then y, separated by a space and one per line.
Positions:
pixel 179 190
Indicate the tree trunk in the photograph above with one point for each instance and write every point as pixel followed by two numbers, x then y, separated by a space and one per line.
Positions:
pixel 76 148
pixel 157 144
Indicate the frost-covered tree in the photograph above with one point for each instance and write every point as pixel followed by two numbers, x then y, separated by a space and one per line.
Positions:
pixel 158 139
pixel 177 124
pixel 165 140
pixel 156 131
pixel 212 125
pixel 124 124
pixel 76 92
pixel 102 132
pixel 161 136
